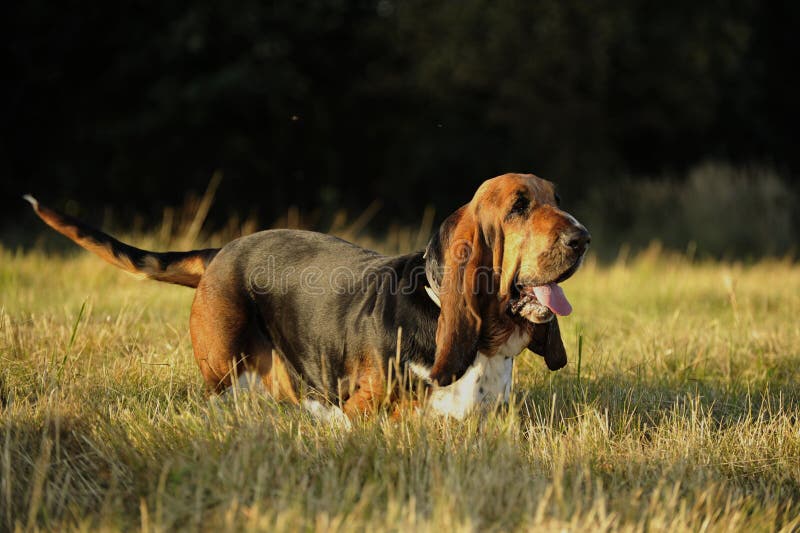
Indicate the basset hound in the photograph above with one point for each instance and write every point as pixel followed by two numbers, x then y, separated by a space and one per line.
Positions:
pixel 314 319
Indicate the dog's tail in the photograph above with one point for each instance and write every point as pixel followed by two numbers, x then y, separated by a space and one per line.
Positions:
pixel 181 268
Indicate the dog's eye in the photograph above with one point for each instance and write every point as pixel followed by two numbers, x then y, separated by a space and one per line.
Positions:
pixel 558 199
pixel 520 206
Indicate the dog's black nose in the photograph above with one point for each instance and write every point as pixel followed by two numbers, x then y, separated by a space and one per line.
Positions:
pixel 576 238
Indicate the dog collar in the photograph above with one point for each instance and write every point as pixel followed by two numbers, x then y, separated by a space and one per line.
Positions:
pixel 432 288
pixel 433 296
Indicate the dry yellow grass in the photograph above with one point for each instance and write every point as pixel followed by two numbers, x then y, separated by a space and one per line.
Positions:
pixel 683 415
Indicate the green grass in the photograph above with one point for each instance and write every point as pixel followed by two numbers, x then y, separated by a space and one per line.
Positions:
pixel 684 417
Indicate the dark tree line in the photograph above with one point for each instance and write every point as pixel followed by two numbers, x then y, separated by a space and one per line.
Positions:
pixel 331 103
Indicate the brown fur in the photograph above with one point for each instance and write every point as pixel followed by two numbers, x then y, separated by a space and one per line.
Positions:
pixel 185 268
pixel 369 390
pixel 227 343
pixel 103 250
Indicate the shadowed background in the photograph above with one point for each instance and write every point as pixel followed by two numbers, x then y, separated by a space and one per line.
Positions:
pixel 669 121
pixel 672 122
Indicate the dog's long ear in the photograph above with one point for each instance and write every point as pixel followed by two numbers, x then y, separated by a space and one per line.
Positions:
pixel 459 326
pixel 546 341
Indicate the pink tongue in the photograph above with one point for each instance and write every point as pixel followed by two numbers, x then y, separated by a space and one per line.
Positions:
pixel 553 297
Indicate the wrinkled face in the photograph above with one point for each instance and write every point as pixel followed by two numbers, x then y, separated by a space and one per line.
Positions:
pixel 495 264
pixel 542 245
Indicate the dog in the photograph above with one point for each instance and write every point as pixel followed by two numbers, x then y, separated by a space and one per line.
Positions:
pixel 315 320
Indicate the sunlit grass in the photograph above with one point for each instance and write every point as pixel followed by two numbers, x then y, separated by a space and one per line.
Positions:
pixel 685 417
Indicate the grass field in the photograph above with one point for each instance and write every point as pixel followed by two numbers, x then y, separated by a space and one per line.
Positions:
pixel 681 413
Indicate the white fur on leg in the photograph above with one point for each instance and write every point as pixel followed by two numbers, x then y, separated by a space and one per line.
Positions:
pixel 329 414
pixel 251 381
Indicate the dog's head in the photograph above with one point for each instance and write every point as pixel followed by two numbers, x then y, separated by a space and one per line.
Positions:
pixel 498 261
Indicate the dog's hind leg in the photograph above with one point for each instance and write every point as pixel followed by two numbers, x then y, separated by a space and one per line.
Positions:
pixel 230 348
pixel 219 326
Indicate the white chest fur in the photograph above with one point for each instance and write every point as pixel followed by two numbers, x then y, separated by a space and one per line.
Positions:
pixel 485 383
